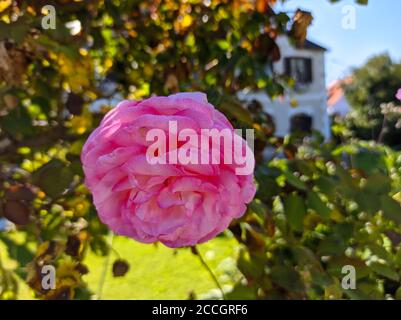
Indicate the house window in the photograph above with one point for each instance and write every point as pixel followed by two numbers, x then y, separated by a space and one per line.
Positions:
pixel 300 69
pixel 301 123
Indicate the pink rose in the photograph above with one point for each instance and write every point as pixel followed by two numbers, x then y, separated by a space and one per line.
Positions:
pixel 174 203
pixel 398 95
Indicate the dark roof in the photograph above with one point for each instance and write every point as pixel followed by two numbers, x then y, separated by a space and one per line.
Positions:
pixel 309 45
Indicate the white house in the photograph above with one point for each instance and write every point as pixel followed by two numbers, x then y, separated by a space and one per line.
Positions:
pixel 337 104
pixel 306 65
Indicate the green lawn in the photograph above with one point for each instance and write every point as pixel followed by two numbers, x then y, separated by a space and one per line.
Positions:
pixel 156 272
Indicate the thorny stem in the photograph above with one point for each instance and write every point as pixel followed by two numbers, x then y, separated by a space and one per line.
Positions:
pixel 212 275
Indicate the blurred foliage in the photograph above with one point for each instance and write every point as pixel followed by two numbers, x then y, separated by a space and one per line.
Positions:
pixel 373 84
pixel 318 207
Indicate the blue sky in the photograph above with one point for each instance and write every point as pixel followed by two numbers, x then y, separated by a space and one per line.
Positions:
pixel 377 30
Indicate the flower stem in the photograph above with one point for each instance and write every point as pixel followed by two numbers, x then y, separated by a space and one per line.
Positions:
pixel 102 279
pixel 209 270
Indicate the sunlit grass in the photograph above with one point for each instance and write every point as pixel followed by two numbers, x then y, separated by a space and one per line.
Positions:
pixel 156 272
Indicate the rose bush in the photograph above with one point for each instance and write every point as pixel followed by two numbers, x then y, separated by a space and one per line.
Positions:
pixel 321 207
pixel 176 204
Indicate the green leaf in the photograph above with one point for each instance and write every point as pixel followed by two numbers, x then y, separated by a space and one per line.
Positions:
pixel 327 186
pixel 305 256
pixel 367 202
pixel 287 278
pixel 306 167
pixel 378 183
pixel 234 108
pixel 242 292
pixel 99 246
pixel 333 244
pixel 380 251
pixel 16 31
pixel 251 266
pixel 367 292
pixel 385 271
pixel 53 178
pixel 17 122
pixel 294 180
pixel 369 161
pixel 398 294
pixel 295 211
pixel 321 278
pixel 314 202
pixel 346 185
pixel 391 208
